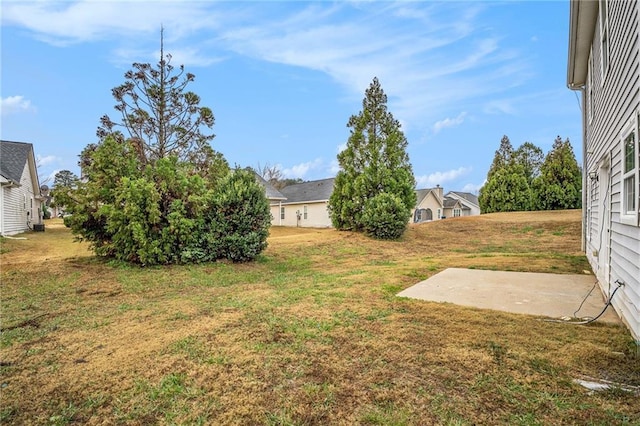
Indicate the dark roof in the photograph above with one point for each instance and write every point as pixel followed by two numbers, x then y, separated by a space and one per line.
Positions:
pixel 449 203
pixel 271 192
pixel 315 190
pixel 13 157
pixel 467 196
pixel 421 194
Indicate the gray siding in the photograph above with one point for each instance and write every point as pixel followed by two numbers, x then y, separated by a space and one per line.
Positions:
pixel 615 101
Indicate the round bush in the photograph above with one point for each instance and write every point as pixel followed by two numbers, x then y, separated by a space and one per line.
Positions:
pixel 385 216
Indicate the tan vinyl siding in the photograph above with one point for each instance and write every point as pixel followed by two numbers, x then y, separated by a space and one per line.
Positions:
pixel 317 215
pixel 615 101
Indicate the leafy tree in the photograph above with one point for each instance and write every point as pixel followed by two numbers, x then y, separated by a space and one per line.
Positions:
pixel 374 162
pixel 65 179
pixel 507 190
pixel 530 157
pixel 161 116
pixel 560 180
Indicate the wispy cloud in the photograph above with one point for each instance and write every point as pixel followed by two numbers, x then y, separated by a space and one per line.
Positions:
pixel 301 170
pixel 440 178
pixel 406 45
pixel 472 187
pixel 45 160
pixel 63 23
pixel 449 122
pixel 14 104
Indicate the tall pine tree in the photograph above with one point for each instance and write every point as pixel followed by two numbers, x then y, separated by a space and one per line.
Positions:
pixel 560 181
pixel 375 184
pixel 507 186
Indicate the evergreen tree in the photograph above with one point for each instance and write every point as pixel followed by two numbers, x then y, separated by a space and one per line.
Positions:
pixel 502 157
pixel 374 162
pixel 506 191
pixel 507 187
pixel 530 157
pixel 161 116
pixel 560 182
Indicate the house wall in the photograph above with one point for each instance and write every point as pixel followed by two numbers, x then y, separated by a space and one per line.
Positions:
pixel 317 215
pixel 429 202
pixel 17 201
pixel 612 247
pixel 474 210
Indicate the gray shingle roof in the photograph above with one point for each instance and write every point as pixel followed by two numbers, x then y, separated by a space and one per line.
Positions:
pixel 316 190
pixel 468 196
pixel 449 203
pixel 271 192
pixel 13 157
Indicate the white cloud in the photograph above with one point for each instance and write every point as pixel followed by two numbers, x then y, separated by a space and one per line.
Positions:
pixel 472 187
pixel 440 178
pixel 429 57
pixel 412 60
pixel 300 170
pixel 189 56
pixel 62 23
pixel 449 122
pixel 14 104
pixel 46 160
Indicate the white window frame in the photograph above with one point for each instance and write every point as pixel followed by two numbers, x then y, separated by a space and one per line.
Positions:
pixel 281 213
pixel 457 212
pixel 630 177
pixel 605 41
pixel 304 215
pixel 439 214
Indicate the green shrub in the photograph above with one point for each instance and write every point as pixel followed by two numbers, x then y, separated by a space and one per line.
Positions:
pixel 385 216
pixel 240 218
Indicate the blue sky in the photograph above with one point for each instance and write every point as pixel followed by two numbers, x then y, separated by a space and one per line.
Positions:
pixel 282 78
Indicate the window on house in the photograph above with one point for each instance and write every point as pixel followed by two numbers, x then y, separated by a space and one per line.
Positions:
pixel 604 38
pixel 456 212
pixel 630 173
pixel 439 214
pixel 304 209
pixel 282 213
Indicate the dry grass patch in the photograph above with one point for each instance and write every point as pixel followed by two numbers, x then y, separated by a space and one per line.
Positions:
pixel 310 333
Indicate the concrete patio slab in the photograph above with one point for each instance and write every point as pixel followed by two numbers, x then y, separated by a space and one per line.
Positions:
pixel 550 295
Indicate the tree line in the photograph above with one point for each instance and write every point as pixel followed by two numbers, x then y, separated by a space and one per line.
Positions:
pixel 526 179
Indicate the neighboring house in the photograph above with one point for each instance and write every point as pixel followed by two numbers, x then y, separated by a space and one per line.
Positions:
pixel 48 202
pixel 20 199
pixel 305 205
pixel 429 205
pixel 469 202
pixel 432 205
pixel 604 64
pixel 454 208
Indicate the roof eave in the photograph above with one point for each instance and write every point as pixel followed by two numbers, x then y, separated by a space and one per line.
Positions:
pixel 582 24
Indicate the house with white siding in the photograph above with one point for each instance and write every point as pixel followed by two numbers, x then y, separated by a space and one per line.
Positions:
pixel 305 205
pixel 604 65
pixel 20 199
